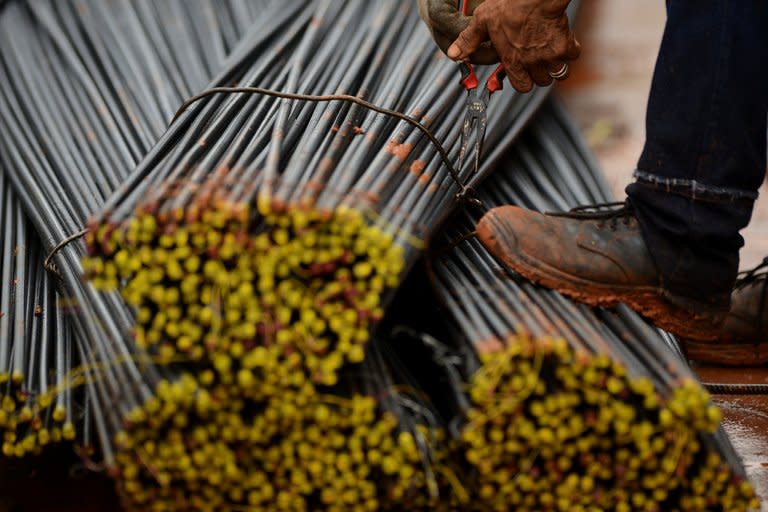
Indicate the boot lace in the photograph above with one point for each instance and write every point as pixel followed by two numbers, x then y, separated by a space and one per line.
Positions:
pixel 604 213
pixel 757 276
pixel 748 277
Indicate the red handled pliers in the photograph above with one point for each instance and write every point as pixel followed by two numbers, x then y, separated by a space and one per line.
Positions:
pixel 477 104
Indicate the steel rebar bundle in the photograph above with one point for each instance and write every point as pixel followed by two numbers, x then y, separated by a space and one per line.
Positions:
pixel 36 355
pixel 77 114
pixel 264 305
pixel 267 297
pixel 569 408
pixel 102 118
pixel 343 198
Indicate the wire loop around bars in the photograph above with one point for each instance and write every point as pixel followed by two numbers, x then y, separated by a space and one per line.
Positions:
pixel 464 191
pixel 47 263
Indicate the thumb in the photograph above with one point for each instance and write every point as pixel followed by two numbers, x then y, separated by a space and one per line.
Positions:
pixel 469 40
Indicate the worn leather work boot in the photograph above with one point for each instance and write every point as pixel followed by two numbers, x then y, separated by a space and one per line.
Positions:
pixel 743 340
pixel 598 257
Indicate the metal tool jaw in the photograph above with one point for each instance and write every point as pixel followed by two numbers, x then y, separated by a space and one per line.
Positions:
pixel 477 111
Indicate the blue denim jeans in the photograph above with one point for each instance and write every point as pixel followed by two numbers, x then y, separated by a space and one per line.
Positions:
pixel 705 154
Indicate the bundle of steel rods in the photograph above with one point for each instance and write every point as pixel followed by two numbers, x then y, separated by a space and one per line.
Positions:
pixel 100 120
pixel 87 88
pixel 284 224
pixel 570 408
pixel 261 306
pixel 370 443
pixel 36 352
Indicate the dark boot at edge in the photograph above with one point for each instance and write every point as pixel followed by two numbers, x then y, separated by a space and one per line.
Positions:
pixel 743 339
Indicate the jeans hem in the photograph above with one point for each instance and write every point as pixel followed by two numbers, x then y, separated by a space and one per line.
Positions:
pixel 694 189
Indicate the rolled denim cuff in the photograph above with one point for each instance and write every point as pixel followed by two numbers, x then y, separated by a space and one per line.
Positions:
pixel 694 190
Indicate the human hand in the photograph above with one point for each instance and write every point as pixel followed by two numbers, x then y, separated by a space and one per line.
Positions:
pixel 445 21
pixel 532 38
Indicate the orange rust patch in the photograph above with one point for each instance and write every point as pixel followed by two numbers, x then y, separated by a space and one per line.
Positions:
pixel 424 179
pixel 401 151
pixel 417 167
pixel 489 346
pixel 326 165
pixel 314 185
pixel 358 130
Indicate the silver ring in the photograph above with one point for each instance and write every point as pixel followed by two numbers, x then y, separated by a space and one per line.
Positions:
pixel 561 74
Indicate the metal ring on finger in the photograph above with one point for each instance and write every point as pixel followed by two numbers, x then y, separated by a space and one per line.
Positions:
pixel 561 74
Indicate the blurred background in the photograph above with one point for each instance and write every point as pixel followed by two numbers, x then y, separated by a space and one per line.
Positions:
pixel 608 93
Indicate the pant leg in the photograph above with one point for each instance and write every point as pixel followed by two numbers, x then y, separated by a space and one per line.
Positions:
pixel 705 153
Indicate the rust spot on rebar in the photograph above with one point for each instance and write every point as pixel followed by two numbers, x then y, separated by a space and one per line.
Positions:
pixel 38 310
pixel 278 205
pixel 417 167
pixel 489 346
pixel 424 179
pixel 432 188
pixel 401 151
pixel 335 128
pixel 314 185
pixel 326 165
pixel 193 214
pixel 358 130
pixel 582 357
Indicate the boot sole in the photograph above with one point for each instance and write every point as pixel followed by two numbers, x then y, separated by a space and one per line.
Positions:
pixel 647 301
pixel 727 354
